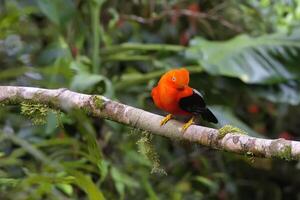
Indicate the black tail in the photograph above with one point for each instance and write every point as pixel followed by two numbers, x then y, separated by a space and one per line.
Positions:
pixel 209 116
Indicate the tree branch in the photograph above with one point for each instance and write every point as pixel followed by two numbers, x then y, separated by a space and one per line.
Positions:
pixel 100 106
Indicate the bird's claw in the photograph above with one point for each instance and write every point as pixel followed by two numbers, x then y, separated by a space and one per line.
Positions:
pixel 187 125
pixel 165 120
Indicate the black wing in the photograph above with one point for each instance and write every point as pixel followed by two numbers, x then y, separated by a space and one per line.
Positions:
pixel 195 104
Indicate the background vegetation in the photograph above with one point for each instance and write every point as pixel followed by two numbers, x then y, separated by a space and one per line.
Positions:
pixel 243 55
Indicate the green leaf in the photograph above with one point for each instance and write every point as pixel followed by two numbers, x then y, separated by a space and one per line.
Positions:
pixel 66 188
pixel 121 180
pixel 149 189
pixel 88 132
pixel 281 93
pixel 212 186
pixel 59 12
pixel 82 64
pixel 9 182
pixel 88 186
pixel 103 167
pixel 49 9
pixel 52 123
pixel 14 72
pixel 84 81
pixel 251 59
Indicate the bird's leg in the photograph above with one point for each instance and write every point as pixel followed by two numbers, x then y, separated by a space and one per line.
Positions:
pixel 188 124
pixel 166 119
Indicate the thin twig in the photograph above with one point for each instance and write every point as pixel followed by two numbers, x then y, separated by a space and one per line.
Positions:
pixel 182 12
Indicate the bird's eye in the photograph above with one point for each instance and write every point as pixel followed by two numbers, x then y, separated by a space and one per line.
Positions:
pixel 174 78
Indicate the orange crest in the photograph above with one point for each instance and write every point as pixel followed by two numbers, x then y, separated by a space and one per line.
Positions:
pixel 178 78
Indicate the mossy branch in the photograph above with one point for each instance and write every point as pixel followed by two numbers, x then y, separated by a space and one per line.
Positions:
pixel 228 138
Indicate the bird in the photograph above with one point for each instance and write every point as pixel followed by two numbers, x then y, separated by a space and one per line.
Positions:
pixel 174 96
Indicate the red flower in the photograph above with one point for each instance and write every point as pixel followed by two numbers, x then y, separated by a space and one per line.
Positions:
pixel 286 135
pixel 194 7
pixel 184 38
pixel 74 51
pixel 253 109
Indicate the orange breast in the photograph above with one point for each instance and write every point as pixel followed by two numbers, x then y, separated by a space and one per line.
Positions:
pixel 167 98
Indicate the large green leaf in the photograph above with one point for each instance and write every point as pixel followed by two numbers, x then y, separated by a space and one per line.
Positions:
pixel 84 81
pixel 251 59
pixel 280 93
pixel 59 12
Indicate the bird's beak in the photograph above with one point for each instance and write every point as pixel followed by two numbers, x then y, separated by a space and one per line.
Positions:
pixel 181 87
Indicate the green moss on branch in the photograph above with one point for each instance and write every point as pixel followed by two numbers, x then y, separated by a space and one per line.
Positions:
pixel 146 148
pixel 36 112
pixel 285 153
pixel 98 102
pixel 230 129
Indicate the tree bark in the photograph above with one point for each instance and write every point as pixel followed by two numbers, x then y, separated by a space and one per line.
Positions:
pixel 100 106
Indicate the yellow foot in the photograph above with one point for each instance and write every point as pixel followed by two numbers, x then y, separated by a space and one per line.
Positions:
pixel 166 119
pixel 188 124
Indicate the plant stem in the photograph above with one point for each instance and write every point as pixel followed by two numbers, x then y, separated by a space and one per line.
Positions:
pixel 141 47
pixel 95 18
pixel 135 79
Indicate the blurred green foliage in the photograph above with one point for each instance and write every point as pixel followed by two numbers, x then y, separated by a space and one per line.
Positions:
pixel 243 55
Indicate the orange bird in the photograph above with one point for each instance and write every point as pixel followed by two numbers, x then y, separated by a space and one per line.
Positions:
pixel 173 95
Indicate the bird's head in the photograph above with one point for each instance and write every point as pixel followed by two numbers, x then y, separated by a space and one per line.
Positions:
pixel 177 78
